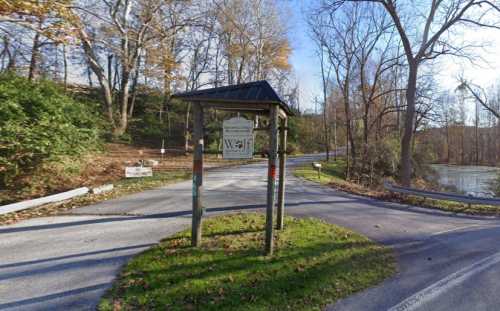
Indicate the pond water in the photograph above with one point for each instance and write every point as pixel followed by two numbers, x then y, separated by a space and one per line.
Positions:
pixel 473 180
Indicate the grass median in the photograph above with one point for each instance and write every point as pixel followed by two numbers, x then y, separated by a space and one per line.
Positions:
pixel 315 264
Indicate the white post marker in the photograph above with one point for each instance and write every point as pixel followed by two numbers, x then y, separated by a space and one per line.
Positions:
pixel 162 150
pixel 138 171
pixel 237 136
pixel 317 167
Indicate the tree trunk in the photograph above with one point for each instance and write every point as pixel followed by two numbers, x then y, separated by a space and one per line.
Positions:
pixel 99 72
pixel 124 96
pixel 351 149
pixel 365 137
pixel 186 130
pixel 353 146
pixel 476 136
pixel 108 101
pixel 168 67
pixel 65 67
pixel 406 140
pixel 89 76
pixel 11 66
pixel 448 153
pixel 327 134
pixel 135 81
pixel 497 158
pixel 35 57
pixel 326 126
pixel 110 70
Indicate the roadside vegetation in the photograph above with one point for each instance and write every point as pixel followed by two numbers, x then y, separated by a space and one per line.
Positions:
pixel 333 175
pixel 39 126
pixel 315 264
pixel 121 187
pixel 495 186
pixel 69 86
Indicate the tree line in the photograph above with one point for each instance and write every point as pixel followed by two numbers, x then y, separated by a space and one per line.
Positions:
pixel 121 46
pixel 377 60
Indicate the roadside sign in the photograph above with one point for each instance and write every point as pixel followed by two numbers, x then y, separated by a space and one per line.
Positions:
pixel 138 171
pixel 237 138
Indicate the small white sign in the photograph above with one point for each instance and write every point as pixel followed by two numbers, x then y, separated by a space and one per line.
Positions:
pixel 102 189
pixel 138 171
pixel 237 138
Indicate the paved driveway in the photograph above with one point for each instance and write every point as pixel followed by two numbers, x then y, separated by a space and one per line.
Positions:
pixel 446 262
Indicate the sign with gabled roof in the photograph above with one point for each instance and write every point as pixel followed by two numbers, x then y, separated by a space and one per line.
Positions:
pixel 257 98
pixel 258 92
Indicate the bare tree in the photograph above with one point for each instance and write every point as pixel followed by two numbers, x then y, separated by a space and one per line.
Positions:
pixel 45 23
pixel 336 32
pixel 479 95
pixel 420 44
pixel 126 35
pixel 325 81
pixel 374 57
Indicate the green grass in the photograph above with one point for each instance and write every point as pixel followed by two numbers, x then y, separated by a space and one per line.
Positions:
pixel 332 174
pixel 333 171
pixel 315 264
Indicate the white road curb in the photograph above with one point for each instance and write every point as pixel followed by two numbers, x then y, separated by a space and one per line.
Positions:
pixel 14 207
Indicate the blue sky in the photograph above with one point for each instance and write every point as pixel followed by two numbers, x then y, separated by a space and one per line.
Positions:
pixel 303 60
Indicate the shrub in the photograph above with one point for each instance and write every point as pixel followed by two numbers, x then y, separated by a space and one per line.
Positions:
pixel 38 122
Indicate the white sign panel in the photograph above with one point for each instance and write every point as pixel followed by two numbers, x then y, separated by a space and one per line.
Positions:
pixel 237 138
pixel 138 171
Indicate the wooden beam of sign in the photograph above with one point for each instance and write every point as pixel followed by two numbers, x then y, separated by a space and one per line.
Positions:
pixel 271 177
pixel 282 113
pixel 197 175
pixel 281 183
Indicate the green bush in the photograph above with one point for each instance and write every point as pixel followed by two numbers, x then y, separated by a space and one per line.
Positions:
pixel 38 122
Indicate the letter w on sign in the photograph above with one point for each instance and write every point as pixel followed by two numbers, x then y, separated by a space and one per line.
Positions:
pixel 228 143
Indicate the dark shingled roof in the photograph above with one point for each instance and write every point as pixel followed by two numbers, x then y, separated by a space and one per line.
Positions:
pixel 253 92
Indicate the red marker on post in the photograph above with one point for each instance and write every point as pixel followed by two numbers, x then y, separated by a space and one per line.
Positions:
pixel 272 171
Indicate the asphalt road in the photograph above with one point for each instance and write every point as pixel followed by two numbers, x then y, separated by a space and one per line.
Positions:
pixel 446 262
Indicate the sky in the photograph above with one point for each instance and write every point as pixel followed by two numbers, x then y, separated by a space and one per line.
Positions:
pixel 307 70
pixel 303 59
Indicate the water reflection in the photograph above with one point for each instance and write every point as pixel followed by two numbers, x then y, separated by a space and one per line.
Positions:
pixel 473 180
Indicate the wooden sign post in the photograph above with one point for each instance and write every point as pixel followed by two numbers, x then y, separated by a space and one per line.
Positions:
pixel 197 174
pixel 281 184
pixel 271 178
pixel 254 98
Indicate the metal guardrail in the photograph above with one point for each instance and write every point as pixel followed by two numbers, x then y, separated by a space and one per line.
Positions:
pixel 19 206
pixel 443 196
